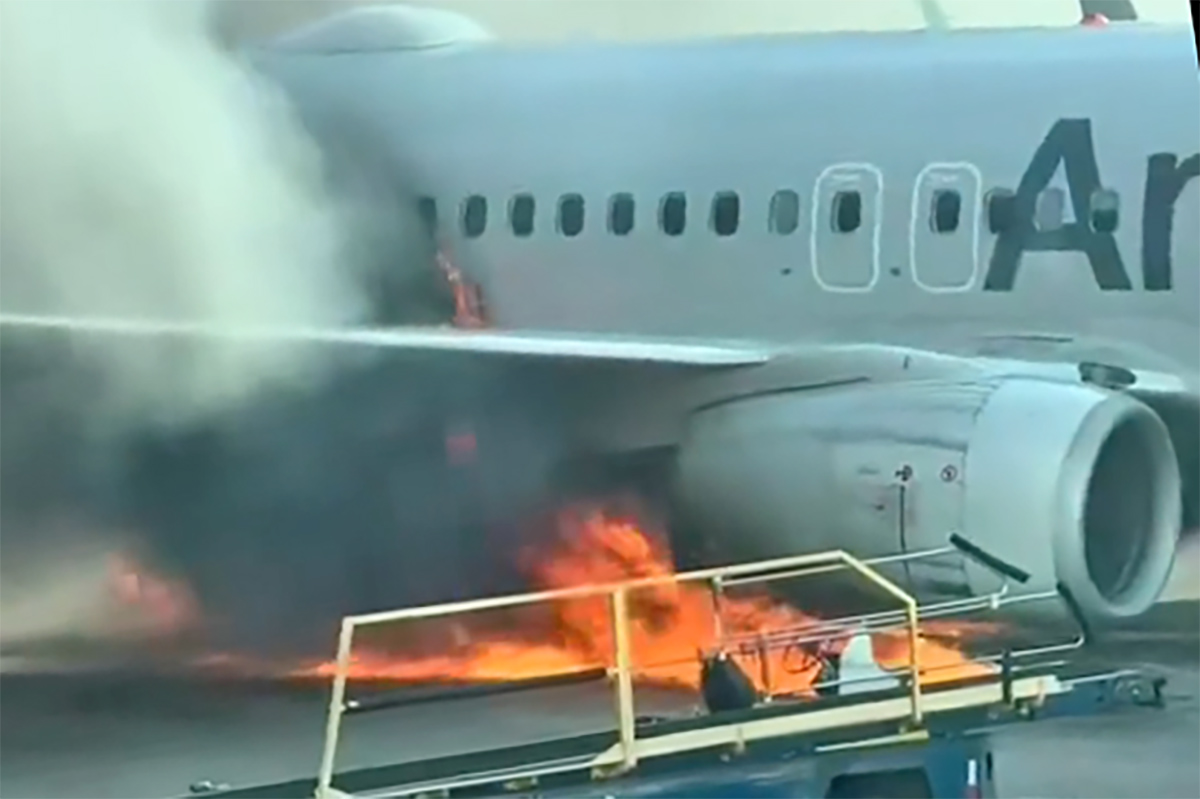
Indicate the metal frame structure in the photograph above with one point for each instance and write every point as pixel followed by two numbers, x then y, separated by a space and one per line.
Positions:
pixel 628 751
pixel 908 711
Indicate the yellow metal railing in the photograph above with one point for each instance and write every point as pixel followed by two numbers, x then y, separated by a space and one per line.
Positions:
pixel 622 668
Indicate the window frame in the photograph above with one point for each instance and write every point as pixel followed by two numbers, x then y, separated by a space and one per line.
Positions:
pixel 999 201
pixel 1115 210
pixel 840 197
pixel 773 215
pixel 465 214
pixel 623 198
pixel 715 207
pixel 673 198
pixel 522 198
pixel 573 198
pixel 934 215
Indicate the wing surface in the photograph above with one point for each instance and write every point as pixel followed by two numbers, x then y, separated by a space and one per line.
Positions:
pixel 540 345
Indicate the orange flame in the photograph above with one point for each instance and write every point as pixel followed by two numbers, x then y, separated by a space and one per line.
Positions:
pixel 468 299
pixel 166 606
pixel 669 624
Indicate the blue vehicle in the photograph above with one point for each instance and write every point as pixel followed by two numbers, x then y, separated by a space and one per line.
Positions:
pixel 864 731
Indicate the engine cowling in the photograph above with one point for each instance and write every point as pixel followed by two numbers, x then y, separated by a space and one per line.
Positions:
pixel 1069 482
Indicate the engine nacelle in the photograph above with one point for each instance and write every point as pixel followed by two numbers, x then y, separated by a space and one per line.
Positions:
pixel 380 28
pixel 1071 483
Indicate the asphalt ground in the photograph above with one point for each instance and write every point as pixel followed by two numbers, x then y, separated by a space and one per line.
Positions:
pixel 127 734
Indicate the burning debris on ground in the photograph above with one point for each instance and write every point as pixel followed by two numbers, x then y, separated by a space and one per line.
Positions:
pixel 675 627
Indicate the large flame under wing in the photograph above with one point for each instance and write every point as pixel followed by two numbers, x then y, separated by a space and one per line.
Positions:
pixel 542 345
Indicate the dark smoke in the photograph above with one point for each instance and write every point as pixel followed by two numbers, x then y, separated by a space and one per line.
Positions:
pixel 288 512
pixel 302 508
pixel 283 503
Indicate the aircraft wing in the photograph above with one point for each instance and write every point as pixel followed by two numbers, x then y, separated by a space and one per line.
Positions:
pixel 835 360
pixel 542 345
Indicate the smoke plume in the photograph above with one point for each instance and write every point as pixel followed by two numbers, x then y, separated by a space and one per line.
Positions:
pixel 144 171
pixel 147 173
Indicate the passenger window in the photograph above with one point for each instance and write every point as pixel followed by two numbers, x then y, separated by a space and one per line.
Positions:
pixel 784 213
pixel 1105 210
pixel 726 210
pixel 620 214
pixel 672 215
pixel 520 215
pixel 1001 210
pixel 945 211
pixel 1050 207
pixel 847 211
pixel 474 216
pixel 570 214
pixel 427 211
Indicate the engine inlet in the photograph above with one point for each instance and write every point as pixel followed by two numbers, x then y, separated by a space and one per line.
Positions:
pixel 1129 507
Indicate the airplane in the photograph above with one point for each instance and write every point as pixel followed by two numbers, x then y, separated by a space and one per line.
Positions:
pixel 850 290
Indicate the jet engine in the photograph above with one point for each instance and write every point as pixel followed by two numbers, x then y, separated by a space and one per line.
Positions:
pixel 1073 484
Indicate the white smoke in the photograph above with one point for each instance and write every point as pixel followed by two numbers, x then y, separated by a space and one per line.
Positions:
pixel 61 593
pixel 146 172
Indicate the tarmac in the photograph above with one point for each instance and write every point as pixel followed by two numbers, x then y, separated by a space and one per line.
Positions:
pixel 121 734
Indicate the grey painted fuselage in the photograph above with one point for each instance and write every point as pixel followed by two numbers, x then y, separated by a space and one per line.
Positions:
pixel 896 118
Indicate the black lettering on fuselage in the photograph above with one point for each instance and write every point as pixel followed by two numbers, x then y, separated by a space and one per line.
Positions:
pixel 1069 142
pixel 1166 177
